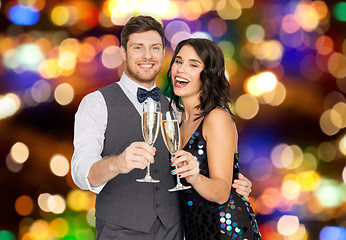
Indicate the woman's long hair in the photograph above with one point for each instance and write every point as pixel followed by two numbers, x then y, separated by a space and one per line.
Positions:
pixel 215 86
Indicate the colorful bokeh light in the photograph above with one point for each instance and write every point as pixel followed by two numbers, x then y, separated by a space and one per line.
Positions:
pixel 286 64
pixel 24 15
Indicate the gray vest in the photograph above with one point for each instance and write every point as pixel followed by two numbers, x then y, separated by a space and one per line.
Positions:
pixel 123 201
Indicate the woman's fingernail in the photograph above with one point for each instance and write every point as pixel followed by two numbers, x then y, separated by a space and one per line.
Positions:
pixel 173 155
pixel 172 164
pixel 173 172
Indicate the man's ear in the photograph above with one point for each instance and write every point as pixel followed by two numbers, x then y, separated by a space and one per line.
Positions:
pixel 123 53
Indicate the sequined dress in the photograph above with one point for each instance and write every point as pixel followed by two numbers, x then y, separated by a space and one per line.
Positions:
pixel 205 220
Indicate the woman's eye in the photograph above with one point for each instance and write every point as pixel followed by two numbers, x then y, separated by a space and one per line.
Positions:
pixel 177 61
pixel 193 65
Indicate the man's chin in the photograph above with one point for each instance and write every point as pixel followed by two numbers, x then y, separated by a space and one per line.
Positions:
pixel 146 76
pixel 142 77
pixel 146 79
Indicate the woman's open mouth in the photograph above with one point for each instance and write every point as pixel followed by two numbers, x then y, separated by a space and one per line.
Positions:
pixel 180 82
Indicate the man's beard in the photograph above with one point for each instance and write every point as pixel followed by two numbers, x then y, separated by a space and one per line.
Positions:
pixel 140 76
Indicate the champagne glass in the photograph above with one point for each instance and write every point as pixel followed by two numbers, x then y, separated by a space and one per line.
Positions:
pixel 171 137
pixel 150 128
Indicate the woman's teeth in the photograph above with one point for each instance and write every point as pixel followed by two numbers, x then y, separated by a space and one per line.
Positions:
pixel 181 80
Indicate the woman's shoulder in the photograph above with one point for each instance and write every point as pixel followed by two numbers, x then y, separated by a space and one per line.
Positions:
pixel 218 114
pixel 219 120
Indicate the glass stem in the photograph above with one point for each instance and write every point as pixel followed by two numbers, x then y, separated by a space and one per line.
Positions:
pixel 148 170
pixel 178 179
pixel 148 167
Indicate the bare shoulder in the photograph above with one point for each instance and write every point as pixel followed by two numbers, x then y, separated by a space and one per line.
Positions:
pixel 219 121
pixel 219 115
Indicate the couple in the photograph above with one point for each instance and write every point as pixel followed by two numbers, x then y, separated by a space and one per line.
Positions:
pixel 110 153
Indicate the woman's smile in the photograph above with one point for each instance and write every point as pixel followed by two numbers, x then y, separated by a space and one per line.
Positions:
pixel 180 82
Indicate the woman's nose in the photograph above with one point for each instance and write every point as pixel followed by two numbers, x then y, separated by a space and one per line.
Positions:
pixel 181 68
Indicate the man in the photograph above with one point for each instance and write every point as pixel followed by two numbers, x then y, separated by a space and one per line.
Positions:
pixel 110 153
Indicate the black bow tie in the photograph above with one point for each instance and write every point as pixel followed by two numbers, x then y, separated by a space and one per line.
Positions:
pixel 143 94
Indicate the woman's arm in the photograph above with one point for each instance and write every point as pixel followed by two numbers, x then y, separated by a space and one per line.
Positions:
pixel 220 133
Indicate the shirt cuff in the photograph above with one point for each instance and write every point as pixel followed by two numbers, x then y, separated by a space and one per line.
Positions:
pixel 81 178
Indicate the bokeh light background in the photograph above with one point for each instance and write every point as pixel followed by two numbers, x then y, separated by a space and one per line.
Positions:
pixel 286 62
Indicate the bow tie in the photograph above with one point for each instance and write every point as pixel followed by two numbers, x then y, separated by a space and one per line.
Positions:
pixel 143 94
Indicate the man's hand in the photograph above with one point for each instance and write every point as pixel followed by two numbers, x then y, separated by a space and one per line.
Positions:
pixel 242 186
pixel 137 155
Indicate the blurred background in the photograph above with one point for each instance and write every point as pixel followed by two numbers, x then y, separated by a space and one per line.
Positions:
pixel 286 63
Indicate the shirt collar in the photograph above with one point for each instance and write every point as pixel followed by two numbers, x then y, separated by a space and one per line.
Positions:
pixel 131 85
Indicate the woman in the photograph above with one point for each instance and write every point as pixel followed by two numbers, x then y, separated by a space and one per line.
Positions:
pixel 208 161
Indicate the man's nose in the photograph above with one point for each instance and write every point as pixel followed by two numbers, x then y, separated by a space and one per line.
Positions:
pixel 147 54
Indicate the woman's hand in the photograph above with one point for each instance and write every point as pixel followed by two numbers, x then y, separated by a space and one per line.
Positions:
pixel 188 166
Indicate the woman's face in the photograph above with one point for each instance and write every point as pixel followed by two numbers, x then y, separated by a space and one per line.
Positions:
pixel 186 71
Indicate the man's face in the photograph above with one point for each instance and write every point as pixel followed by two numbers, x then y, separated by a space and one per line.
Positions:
pixel 143 57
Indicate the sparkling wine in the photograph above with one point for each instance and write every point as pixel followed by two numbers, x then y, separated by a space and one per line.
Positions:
pixel 171 135
pixel 150 126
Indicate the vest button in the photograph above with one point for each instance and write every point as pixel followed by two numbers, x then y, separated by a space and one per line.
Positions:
pixel 157 205
pixel 156 171
pixel 157 188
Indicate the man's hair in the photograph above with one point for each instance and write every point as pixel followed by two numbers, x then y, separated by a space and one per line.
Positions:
pixel 141 24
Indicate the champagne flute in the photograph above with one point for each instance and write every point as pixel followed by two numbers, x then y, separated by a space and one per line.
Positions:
pixel 150 128
pixel 171 137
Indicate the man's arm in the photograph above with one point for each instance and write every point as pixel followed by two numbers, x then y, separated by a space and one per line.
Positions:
pixel 89 128
pixel 137 155
pixel 89 170
pixel 242 186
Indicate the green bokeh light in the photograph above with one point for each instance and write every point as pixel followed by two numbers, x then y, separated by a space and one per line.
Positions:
pixel 6 235
pixel 86 234
pixel 331 193
pixel 340 11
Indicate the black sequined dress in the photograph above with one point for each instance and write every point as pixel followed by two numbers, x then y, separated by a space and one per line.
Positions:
pixel 205 220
